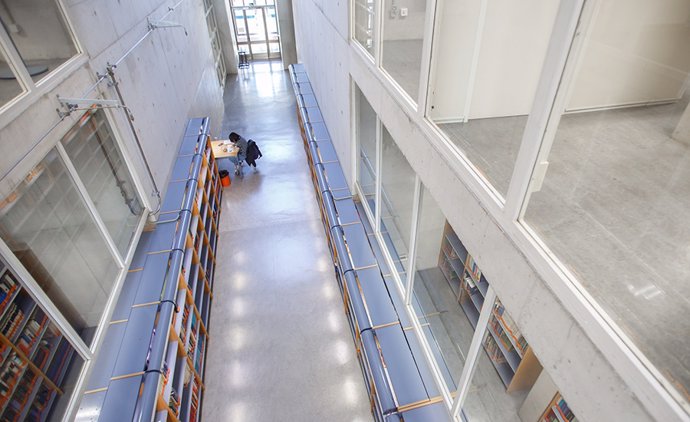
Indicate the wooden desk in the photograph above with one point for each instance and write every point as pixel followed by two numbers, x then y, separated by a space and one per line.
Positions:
pixel 223 149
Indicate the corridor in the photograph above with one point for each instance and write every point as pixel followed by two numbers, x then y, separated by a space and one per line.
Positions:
pixel 281 349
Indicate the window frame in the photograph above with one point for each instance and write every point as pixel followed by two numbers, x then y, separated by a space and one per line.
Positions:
pixel 86 352
pixel 639 375
pixel 33 91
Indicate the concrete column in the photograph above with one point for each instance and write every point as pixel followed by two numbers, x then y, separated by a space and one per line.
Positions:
pixel 286 27
pixel 227 34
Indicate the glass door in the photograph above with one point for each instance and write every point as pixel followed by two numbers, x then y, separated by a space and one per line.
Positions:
pixel 256 28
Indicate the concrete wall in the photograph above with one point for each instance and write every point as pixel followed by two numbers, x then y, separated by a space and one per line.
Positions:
pixel 227 34
pixel 167 79
pixel 578 367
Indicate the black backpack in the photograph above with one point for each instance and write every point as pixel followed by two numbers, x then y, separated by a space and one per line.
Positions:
pixel 253 153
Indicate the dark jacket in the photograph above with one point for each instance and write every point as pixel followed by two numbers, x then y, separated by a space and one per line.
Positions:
pixel 253 153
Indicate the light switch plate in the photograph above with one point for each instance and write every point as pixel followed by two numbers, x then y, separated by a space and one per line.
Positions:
pixel 403 11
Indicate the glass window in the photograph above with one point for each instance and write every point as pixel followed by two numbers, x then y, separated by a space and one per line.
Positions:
pixel 10 87
pixel 504 373
pixel 46 224
pixel 403 38
pixel 366 138
pixel 365 19
pixel 615 202
pixel 485 71
pixel 439 262
pixel 397 202
pixel 39 33
pixel 92 149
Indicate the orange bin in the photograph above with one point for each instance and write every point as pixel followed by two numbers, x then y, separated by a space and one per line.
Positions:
pixel 224 178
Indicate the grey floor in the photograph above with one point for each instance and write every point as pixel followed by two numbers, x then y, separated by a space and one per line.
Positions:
pixel 402 59
pixel 280 349
pixel 614 208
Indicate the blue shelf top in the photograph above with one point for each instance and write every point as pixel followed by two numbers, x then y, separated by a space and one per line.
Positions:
pixel 309 100
pixel 121 399
pixel 298 68
pixel 376 297
pixel 313 114
pixel 301 77
pixel 152 279
pixel 347 212
pixel 304 88
pixel 105 361
pixel 181 169
pixel 174 196
pixel 126 299
pixel 406 380
pixel 358 245
pixel 335 176
pixel 327 151
pixel 318 132
pixel 135 343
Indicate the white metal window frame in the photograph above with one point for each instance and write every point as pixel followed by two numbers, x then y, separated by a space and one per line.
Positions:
pixel 655 392
pixel 405 286
pixel 375 36
pixel 33 91
pixel 86 352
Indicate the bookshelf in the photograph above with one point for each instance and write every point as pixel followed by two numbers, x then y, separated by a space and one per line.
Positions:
pixel 503 343
pixel 558 411
pixel 35 355
pixel 152 363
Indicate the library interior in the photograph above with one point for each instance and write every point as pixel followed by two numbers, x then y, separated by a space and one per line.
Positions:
pixel 462 210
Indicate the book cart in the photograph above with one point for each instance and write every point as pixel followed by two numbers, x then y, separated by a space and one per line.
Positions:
pixel 151 365
pixel 35 355
pixel 401 388
pixel 505 346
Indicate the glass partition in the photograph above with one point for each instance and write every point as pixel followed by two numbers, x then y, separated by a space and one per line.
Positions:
pixel 486 63
pixel 615 202
pixel 365 24
pixel 439 262
pixel 40 34
pixel 48 227
pixel 92 149
pixel 403 40
pixel 397 202
pixel 367 165
pixel 504 372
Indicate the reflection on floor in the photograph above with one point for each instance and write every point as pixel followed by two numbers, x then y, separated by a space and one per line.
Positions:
pixel 402 59
pixel 452 333
pixel 616 190
pixel 282 350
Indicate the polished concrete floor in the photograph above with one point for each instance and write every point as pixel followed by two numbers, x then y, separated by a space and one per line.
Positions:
pixel 281 349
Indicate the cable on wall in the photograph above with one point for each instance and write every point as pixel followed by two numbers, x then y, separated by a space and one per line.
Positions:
pixel 71 105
